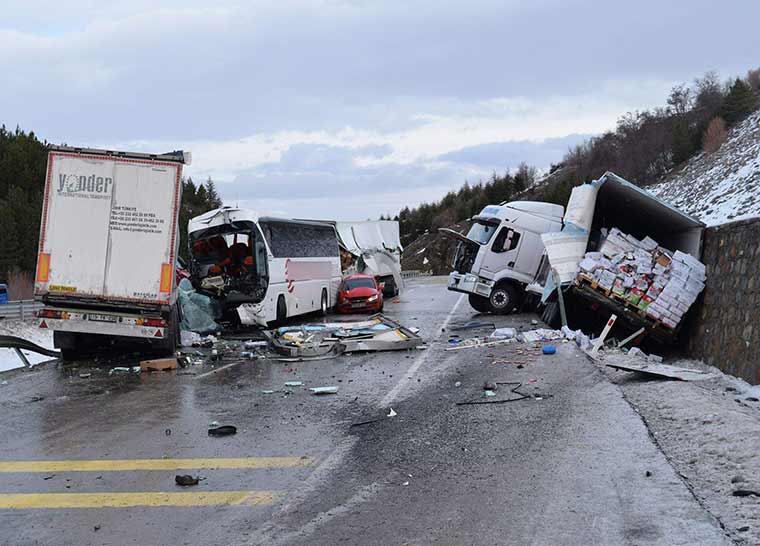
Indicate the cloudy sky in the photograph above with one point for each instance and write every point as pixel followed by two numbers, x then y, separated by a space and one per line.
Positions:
pixel 353 108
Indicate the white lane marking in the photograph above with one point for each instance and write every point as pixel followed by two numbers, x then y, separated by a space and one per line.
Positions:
pixel 391 396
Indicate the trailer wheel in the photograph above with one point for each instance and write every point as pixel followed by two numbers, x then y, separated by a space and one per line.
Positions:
pixel 479 303
pixel 282 309
pixel 503 299
pixel 323 306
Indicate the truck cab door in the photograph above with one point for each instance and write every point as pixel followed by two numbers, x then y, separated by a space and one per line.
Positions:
pixel 503 251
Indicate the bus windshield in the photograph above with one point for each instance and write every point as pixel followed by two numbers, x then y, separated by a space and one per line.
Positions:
pixel 481 232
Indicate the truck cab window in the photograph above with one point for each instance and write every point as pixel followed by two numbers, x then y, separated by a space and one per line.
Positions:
pixel 506 240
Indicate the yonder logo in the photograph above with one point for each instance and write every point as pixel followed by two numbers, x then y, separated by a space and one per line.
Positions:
pixel 74 183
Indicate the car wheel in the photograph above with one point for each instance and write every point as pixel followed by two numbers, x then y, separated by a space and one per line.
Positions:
pixel 479 303
pixel 503 299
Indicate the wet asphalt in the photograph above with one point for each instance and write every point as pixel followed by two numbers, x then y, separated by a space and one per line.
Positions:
pixel 571 463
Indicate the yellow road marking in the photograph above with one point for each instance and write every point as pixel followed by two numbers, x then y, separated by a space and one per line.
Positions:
pixel 20 501
pixel 152 464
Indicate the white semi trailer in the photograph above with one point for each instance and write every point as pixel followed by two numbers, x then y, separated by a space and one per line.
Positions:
pixel 502 253
pixel 108 247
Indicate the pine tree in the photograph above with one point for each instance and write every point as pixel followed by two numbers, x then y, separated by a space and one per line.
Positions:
pixel 212 196
pixel 739 102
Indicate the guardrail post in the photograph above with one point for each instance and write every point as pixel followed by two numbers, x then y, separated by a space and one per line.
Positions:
pixel 21 307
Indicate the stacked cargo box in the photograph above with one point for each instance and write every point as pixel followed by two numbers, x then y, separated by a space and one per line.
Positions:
pixel 653 279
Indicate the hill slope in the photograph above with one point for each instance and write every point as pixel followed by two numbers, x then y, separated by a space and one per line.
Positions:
pixel 723 186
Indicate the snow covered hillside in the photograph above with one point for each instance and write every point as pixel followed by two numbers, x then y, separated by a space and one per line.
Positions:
pixel 723 186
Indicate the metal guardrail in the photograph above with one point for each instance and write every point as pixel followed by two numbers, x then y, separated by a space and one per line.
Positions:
pixel 20 309
pixel 413 273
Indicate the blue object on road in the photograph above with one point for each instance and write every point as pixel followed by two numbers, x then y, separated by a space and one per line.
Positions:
pixel 549 349
pixel 3 294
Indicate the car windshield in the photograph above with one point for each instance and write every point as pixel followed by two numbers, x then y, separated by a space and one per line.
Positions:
pixel 481 233
pixel 350 284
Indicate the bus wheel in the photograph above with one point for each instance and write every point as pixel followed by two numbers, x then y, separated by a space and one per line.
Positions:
pixel 503 299
pixel 323 304
pixel 282 310
pixel 479 303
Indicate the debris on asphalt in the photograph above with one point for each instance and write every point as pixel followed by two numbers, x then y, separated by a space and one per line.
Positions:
pixel 224 430
pixel 745 493
pixel 323 390
pixel 549 349
pixel 662 371
pixel 186 480
pixel 540 334
pixel 479 342
pixel 377 333
pixel 471 325
pixel 492 398
pixel 293 383
pixel 159 365
pixel 458 384
pixel 85 375
pixel 503 333
pixel 391 413
pixel 123 370
pixel 267 391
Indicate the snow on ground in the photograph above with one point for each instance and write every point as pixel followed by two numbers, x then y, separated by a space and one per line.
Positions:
pixel 710 432
pixel 27 330
pixel 723 186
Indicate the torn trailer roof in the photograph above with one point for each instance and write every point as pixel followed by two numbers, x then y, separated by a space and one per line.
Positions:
pixel 612 202
pixel 613 208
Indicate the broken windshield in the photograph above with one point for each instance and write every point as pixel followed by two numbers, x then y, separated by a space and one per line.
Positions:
pixel 482 232
pixel 362 282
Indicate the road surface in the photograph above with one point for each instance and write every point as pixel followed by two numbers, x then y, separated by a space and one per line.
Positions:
pixel 92 461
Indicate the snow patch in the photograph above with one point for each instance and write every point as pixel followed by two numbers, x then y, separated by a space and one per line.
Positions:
pixel 28 330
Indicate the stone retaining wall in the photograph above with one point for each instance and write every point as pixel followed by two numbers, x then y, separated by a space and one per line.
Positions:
pixel 725 327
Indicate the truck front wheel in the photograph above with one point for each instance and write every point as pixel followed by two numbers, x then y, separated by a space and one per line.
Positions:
pixel 503 299
pixel 479 303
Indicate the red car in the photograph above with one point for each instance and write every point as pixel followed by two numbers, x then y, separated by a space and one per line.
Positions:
pixel 359 293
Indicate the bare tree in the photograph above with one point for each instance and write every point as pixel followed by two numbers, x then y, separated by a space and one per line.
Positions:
pixel 714 136
pixel 753 78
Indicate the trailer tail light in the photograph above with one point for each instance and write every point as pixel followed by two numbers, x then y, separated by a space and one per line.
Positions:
pixel 52 313
pixel 43 267
pixel 166 278
pixel 154 322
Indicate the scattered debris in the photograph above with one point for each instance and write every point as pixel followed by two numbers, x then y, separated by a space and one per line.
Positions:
pixel 224 430
pixel 324 390
pixel 503 333
pixel 293 383
pixel 549 349
pixel 663 371
pixel 541 334
pixel 378 333
pixel 471 325
pixel 159 365
pixel 186 480
pixel 391 413
pixel 85 375
pixel 123 370
pixel 267 391
pixel 745 493
pixel 514 390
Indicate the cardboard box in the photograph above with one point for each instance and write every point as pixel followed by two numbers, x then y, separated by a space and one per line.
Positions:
pixel 159 365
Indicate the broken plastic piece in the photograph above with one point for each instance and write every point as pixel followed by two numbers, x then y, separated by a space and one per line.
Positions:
pixel 324 390
pixel 549 349
pixel 224 430
pixel 391 413
pixel 293 383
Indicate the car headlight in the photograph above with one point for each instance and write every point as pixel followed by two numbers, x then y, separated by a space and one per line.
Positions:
pixel 373 298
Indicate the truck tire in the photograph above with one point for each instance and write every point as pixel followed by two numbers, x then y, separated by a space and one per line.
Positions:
pixel 479 303
pixel 390 288
pixel 503 299
pixel 324 305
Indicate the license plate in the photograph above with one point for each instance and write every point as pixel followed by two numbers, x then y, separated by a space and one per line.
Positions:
pixel 103 318
pixel 358 304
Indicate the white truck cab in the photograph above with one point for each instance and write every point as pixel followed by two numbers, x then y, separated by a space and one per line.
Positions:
pixel 502 253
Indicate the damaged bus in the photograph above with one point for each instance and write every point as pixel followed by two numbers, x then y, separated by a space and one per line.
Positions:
pixel 265 268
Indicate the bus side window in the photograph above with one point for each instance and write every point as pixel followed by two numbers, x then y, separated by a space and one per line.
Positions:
pixel 506 240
